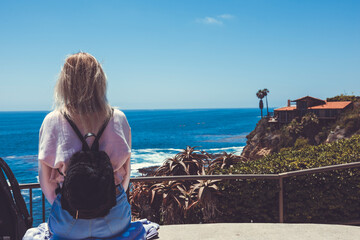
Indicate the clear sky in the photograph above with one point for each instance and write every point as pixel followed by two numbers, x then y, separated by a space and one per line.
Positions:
pixel 182 54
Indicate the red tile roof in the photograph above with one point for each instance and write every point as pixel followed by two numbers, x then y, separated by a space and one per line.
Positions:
pixel 307 97
pixel 292 108
pixel 332 105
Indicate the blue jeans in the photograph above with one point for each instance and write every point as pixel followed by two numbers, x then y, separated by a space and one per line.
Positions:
pixel 63 225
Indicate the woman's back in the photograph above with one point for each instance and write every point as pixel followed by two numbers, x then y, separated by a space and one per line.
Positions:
pixel 80 93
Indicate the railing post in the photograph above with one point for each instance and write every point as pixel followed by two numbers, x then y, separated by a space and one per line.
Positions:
pixel 281 200
pixel 43 206
pixel 31 202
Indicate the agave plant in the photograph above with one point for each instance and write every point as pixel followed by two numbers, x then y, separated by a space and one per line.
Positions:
pixel 140 201
pixel 188 199
pixel 225 160
pixel 207 195
pixel 193 159
pixel 172 166
pixel 171 207
pixel 187 162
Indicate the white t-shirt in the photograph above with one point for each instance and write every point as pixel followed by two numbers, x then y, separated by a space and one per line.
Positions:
pixel 58 142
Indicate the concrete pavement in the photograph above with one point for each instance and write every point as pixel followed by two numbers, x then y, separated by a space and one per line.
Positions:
pixel 259 231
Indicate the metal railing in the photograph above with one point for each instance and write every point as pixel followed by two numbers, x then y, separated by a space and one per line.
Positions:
pixel 280 177
pixel 30 187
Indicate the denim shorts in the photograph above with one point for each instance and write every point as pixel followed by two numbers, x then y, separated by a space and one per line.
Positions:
pixel 64 226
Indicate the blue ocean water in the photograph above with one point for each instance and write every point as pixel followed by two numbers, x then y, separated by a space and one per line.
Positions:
pixel 156 135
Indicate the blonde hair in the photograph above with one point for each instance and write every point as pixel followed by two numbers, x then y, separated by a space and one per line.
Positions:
pixel 80 91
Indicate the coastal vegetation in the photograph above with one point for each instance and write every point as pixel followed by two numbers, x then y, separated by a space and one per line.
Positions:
pixel 174 202
pixel 343 97
pixel 331 197
pixel 322 197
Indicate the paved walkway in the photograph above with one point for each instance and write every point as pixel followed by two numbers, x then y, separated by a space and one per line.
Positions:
pixel 259 231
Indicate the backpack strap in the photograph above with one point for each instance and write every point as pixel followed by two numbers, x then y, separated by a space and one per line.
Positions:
pixel 95 145
pixel 20 202
pixel 85 146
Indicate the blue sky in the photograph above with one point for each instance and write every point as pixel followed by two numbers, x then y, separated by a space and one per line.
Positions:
pixel 182 54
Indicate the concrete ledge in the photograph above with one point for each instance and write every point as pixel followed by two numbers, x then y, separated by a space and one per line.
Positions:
pixel 257 231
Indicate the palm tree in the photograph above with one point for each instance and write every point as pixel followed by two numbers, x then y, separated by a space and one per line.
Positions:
pixel 265 92
pixel 260 95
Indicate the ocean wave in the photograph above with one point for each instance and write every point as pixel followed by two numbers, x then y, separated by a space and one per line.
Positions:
pixel 236 150
pixel 145 150
pixel 222 138
pixel 142 158
pixel 148 157
pixel 20 157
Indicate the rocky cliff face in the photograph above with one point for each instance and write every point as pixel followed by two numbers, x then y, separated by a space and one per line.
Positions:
pixel 260 142
pixel 267 138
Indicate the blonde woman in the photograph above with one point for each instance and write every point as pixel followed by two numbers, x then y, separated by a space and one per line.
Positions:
pixel 80 94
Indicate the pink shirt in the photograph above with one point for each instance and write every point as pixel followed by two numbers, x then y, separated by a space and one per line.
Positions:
pixel 58 142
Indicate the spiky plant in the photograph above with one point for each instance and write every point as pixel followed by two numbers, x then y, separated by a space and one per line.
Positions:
pixel 225 160
pixel 207 195
pixel 171 207
pixel 193 159
pixel 172 167
pixel 140 201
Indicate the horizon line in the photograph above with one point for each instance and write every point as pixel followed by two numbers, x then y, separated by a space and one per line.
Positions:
pixel 145 109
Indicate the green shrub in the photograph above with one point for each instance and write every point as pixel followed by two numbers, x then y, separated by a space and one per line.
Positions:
pixel 329 197
pixel 301 142
pixel 342 97
pixel 322 197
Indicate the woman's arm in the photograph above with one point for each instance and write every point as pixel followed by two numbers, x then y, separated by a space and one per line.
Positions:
pixel 48 144
pixel 47 186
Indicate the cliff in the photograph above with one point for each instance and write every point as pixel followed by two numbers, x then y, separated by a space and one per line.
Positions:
pixel 269 137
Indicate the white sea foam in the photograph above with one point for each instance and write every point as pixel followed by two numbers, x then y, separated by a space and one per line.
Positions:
pixel 20 157
pixel 148 157
pixel 235 150
pixel 157 149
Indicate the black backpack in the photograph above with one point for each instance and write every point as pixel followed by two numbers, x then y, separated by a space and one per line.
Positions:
pixel 14 216
pixel 88 189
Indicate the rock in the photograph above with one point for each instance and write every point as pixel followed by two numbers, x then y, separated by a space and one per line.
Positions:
pixel 260 142
pixel 337 134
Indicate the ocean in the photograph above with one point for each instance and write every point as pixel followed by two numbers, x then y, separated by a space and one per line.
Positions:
pixel 156 136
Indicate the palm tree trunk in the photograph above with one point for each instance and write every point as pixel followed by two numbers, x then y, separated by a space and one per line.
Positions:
pixel 267 107
pixel 261 106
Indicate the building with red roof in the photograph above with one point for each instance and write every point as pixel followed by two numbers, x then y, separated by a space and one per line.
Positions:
pixel 322 109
